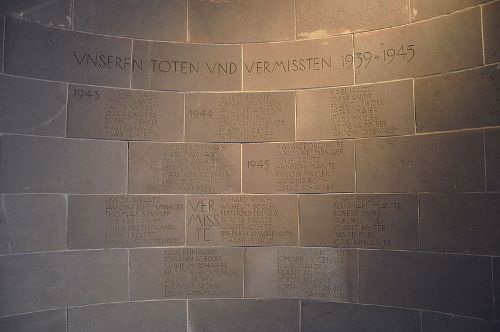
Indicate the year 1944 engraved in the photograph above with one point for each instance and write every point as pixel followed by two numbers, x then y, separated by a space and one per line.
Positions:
pixel 405 53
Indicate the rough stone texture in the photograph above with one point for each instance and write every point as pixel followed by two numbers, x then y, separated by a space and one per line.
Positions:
pixel 446 283
pixel 435 163
pixel 240 117
pixel 146 19
pixel 435 322
pixel 121 221
pixel 297 64
pixel 467 99
pixel 58 165
pixel 359 221
pixel 320 18
pixel 302 273
pixel 32 107
pixel 491 24
pixel 95 112
pixel 46 321
pixel 244 315
pixel 53 12
pixel 436 46
pixel 340 317
pixel 241 21
pixel 384 109
pixel 62 279
pixel 492 149
pixel 156 316
pixel 461 223
pixel 31 223
pixel 423 9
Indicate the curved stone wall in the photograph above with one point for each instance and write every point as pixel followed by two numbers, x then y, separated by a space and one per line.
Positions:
pixel 248 165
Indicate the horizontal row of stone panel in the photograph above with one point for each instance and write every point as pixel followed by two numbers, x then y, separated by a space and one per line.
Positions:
pixel 442 45
pixel 455 284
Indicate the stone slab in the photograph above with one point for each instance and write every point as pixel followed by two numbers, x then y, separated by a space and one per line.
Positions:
pixel 424 9
pixel 45 321
pixel 55 12
pixel 435 322
pixel 492 151
pixel 491 24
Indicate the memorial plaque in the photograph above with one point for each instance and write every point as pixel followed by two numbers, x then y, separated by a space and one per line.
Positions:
pixel 384 109
pixel 423 9
pixel 241 220
pixel 437 322
pixel 316 19
pixel 95 112
pixel 116 221
pixel 301 167
pixel 359 221
pixel 467 99
pixel 44 321
pixel 445 44
pixel 54 12
pixel 426 163
pixel 186 273
pixel 302 273
pixel 194 67
pixel 491 24
pixel 172 168
pixel 492 140
pixel 244 315
pixel 297 64
pixel 240 117
pixel 33 50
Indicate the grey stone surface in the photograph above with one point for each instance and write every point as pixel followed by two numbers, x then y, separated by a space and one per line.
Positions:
pixel 37 51
pixel 359 221
pixel 121 221
pixel 156 316
pixel 55 280
pixel 496 287
pixel 435 322
pixel 297 64
pixel 32 107
pixel 467 99
pixel 428 163
pixel 461 223
pixel 186 273
pixel 147 19
pixel 320 18
pixel 301 167
pixel 52 12
pixel 491 24
pixel 302 273
pixel 56 165
pixel 492 150
pixel 241 220
pixel 423 9
pixel 192 67
pixel 446 283
pixel 95 112
pixel 340 317
pixel 244 315
pixel 442 45
pixel 190 168
pixel 45 321
pixel 240 117
pixel 384 109
pixel 2 35
pixel 31 223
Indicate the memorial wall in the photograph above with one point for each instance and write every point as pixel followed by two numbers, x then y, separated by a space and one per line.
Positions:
pixel 249 165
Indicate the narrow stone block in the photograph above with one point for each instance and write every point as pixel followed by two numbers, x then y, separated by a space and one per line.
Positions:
pixel 492 149
pixel 491 24
pixel 424 9
pixel 54 12
pixel 44 321
pixel 435 322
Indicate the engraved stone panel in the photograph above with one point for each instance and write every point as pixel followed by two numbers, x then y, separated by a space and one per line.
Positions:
pixel 468 99
pixel 423 9
pixel 320 18
pixel 302 167
pixel 33 222
pixel 186 273
pixel 436 46
pixel 456 284
pixel 95 112
pixel 32 50
pixel 156 316
pixel 146 19
pixel 297 64
pixel 236 21
pixel 32 107
pixel 184 168
pixel 492 149
pixel 436 322
pixel 241 220
pixel 363 221
pixel 491 24
pixel 55 280
pixel 244 315
pixel 114 221
pixel 461 223
pixel 302 273
pixel 384 109
pixel 54 12
pixel 175 66
pixel 442 163
pixel 58 165
pixel 245 117
pixel 45 321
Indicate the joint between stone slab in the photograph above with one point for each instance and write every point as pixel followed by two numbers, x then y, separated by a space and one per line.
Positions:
pixel 482 34
pixel 73 15
pixel 484 161
pixel 4 38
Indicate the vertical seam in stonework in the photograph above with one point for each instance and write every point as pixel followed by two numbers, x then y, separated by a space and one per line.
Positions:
pixel 184 117
pixel 294 19
pixel 482 35
pixel 128 274
pixel 421 325
pixel 300 315
pixel 67 114
pixel 67 319
pixel 242 65
pixel 359 272
pixel 132 67
pixel 127 177
pixel 418 222
pixel 244 263
pixel 355 168
pixel 185 220
pixel 484 161
pixel 298 219
pixel 414 105
pixel 187 21
pixel 241 168
pixel 409 12
pixel 66 199
pixel 72 14
pixel 353 65
pixel 187 315
pixel 295 110
pixel 4 38
pixel 492 267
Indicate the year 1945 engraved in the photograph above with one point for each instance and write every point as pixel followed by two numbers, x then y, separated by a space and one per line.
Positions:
pixel 258 164
pixel 405 53
pixel 83 93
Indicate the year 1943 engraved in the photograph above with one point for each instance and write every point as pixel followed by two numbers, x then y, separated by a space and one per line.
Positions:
pixel 405 54
pixel 84 93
